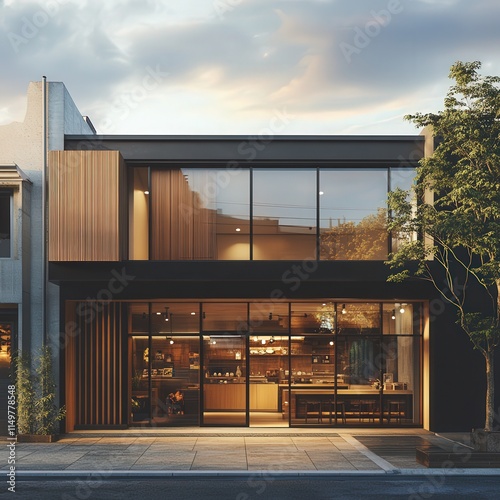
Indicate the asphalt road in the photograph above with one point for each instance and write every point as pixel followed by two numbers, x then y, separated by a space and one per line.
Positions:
pixel 263 488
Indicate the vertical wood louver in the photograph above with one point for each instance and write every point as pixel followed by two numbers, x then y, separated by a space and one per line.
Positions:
pixel 87 206
pixel 96 386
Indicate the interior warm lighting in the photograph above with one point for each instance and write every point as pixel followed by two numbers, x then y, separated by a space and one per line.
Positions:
pixel 158 313
pixel 393 314
pixel 238 229
pixel 213 342
pixel 331 342
pixel 402 310
pixel 146 192
pixel 271 340
pixel 166 318
pixel 343 309
pixel 263 341
pixel 193 314
pixel 255 339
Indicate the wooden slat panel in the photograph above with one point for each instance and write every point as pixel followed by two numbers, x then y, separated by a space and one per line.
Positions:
pixel 182 228
pixel 87 206
pixel 99 401
pixel 71 369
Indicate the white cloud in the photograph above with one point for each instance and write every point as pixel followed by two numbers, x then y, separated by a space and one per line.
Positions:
pixel 227 73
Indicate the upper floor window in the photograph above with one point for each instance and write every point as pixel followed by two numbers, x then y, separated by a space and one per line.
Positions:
pixel 262 213
pixel 353 214
pixel 5 224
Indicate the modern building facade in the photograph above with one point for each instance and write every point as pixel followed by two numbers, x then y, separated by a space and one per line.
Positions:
pixel 247 273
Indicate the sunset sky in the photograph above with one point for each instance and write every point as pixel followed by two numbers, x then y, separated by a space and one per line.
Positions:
pixel 244 66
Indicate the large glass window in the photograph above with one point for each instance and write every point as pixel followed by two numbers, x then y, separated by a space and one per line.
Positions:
pixel 225 317
pixel 284 214
pixel 5 224
pixel 353 211
pixel 321 363
pixel 214 214
pixel 200 214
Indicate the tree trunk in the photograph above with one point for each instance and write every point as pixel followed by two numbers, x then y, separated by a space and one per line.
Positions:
pixel 490 390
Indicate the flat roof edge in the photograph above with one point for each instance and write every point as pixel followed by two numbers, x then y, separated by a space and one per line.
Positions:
pixel 416 137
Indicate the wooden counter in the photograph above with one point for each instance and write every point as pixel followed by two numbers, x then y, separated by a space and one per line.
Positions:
pixel 393 405
pixel 263 397
pixel 224 397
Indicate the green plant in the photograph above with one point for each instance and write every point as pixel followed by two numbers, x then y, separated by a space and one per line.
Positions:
pixel 25 395
pixel 37 412
pixel 136 380
pixel 454 206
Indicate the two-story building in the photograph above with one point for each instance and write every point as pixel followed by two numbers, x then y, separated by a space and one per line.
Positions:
pixel 247 273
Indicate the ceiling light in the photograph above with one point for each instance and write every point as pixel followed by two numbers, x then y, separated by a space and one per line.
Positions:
pixel 193 314
pixel 146 192
pixel 331 342
pixel 238 229
pixel 321 193
pixel 343 309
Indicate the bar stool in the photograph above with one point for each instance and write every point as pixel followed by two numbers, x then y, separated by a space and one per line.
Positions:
pixel 367 409
pixel 314 409
pixel 336 409
pixel 396 407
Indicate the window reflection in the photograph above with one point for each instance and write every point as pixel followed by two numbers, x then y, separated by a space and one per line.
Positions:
pixel 353 214
pixel 204 214
pixel 284 214
pixel 200 214
pixel 402 178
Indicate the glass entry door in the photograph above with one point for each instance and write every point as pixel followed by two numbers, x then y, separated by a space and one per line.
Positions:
pixel 224 380
pixel 269 363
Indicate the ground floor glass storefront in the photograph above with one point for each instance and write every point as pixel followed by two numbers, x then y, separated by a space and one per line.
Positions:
pixel 295 364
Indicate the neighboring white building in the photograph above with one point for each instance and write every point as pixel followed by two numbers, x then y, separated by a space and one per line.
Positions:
pixel 22 275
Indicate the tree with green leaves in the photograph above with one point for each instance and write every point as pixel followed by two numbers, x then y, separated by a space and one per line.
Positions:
pixel 448 224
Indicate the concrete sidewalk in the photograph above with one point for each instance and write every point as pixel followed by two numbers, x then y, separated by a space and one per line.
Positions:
pixel 230 451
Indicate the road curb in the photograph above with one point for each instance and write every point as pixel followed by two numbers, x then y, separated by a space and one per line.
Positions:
pixel 36 475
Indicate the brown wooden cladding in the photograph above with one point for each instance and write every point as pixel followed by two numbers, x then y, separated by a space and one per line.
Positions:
pixel 96 366
pixel 87 206
pixel 181 227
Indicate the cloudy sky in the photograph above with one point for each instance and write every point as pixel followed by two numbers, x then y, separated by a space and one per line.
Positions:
pixel 244 66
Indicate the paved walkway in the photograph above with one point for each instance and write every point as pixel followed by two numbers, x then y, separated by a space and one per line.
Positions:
pixel 233 450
